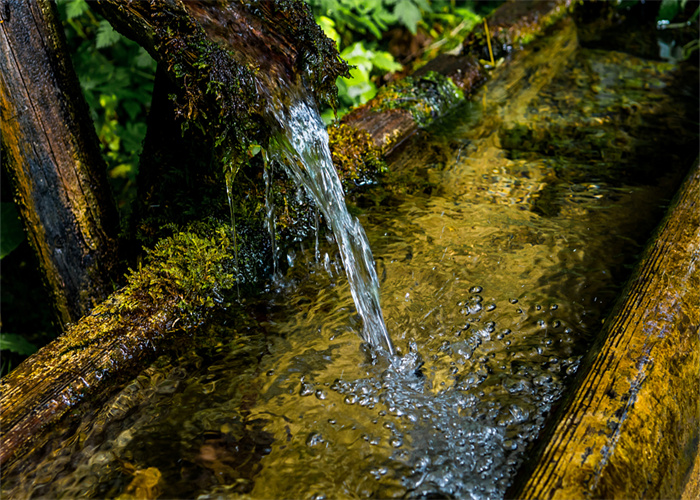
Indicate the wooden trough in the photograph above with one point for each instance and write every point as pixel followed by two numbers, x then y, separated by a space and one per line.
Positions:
pixel 629 427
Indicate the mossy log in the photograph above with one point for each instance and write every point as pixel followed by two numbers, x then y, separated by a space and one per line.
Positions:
pixel 631 426
pixel 224 63
pixel 392 115
pixel 50 148
pixel 187 276
pixel 227 60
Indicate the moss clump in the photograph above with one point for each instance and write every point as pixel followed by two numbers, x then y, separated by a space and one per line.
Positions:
pixel 426 98
pixel 183 277
pixel 195 267
pixel 357 159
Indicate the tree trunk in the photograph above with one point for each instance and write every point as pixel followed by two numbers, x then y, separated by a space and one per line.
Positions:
pixel 50 148
pixel 631 427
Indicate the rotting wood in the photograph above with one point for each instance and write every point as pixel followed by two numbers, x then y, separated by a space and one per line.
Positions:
pixel 630 428
pixel 50 148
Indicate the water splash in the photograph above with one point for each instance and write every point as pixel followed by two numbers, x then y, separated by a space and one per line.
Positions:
pixel 270 211
pixel 301 145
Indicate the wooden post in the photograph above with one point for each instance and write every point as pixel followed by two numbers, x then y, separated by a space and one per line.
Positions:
pixel 50 149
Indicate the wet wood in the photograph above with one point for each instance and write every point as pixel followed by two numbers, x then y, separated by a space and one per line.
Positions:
pixel 211 56
pixel 50 148
pixel 630 428
pixel 168 296
pixel 51 382
pixel 513 25
pixel 228 59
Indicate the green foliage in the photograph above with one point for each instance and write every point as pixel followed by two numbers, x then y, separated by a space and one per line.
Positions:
pixel 360 27
pixel 16 343
pixel 359 88
pixel 116 76
pixel 11 231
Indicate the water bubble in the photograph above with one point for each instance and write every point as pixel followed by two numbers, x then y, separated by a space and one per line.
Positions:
pixel 475 289
pixel 396 442
pixel 513 301
pixel 321 394
pixel 307 389
pixel 510 445
pixel 314 439
pixel 350 399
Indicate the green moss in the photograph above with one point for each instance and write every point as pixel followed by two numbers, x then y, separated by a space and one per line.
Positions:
pixel 355 155
pixel 426 98
pixel 183 278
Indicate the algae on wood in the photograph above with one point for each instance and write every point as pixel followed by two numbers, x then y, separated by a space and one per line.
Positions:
pixel 50 148
pixel 186 277
pixel 630 428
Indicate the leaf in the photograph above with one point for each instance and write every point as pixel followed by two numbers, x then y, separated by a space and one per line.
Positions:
pixel 668 10
pixel 106 36
pixel 328 27
pixel 144 59
pixel 16 343
pixel 385 61
pixel 408 14
pixel 11 230
pixel 76 8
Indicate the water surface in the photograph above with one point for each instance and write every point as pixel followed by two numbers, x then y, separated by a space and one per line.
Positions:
pixel 501 239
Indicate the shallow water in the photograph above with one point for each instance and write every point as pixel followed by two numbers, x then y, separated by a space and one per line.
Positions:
pixel 501 239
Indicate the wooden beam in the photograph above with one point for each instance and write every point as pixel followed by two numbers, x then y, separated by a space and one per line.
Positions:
pixel 51 150
pixel 630 428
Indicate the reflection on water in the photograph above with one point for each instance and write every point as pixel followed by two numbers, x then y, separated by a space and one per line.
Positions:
pixel 501 240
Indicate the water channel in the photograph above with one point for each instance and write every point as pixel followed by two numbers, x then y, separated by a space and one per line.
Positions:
pixel 501 237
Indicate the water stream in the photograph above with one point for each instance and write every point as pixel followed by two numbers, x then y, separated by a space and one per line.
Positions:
pixel 301 146
pixel 501 239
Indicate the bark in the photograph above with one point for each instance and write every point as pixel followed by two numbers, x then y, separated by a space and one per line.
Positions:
pixel 228 61
pixel 630 428
pixel 50 149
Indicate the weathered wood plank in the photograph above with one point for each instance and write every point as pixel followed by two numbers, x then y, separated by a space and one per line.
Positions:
pixel 51 150
pixel 630 428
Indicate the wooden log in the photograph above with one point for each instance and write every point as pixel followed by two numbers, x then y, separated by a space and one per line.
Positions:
pixel 513 25
pixel 216 87
pixel 227 61
pixel 630 427
pixel 51 150
pixel 186 279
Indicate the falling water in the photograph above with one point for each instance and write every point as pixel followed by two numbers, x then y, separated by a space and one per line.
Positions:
pixel 301 145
